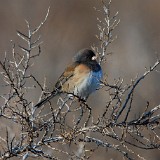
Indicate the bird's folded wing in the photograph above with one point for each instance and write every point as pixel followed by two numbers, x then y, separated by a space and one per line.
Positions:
pixel 67 74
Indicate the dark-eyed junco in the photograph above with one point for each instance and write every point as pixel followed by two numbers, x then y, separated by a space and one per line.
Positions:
pixel 81 78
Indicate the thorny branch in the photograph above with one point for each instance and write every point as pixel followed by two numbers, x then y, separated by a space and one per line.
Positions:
pixel 105 27
pixel 134 86
pixel 69 128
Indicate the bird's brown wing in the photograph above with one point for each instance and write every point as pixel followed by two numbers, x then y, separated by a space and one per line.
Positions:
pixel 66 75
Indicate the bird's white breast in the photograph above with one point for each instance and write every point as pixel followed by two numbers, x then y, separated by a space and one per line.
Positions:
pixel 89 84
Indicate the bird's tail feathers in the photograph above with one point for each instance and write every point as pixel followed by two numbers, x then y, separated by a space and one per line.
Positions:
pixel 46 99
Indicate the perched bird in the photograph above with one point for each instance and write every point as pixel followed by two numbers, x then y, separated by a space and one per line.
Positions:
pixel 81 78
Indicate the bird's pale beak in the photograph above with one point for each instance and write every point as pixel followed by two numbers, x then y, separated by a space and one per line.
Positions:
pixel 94 57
